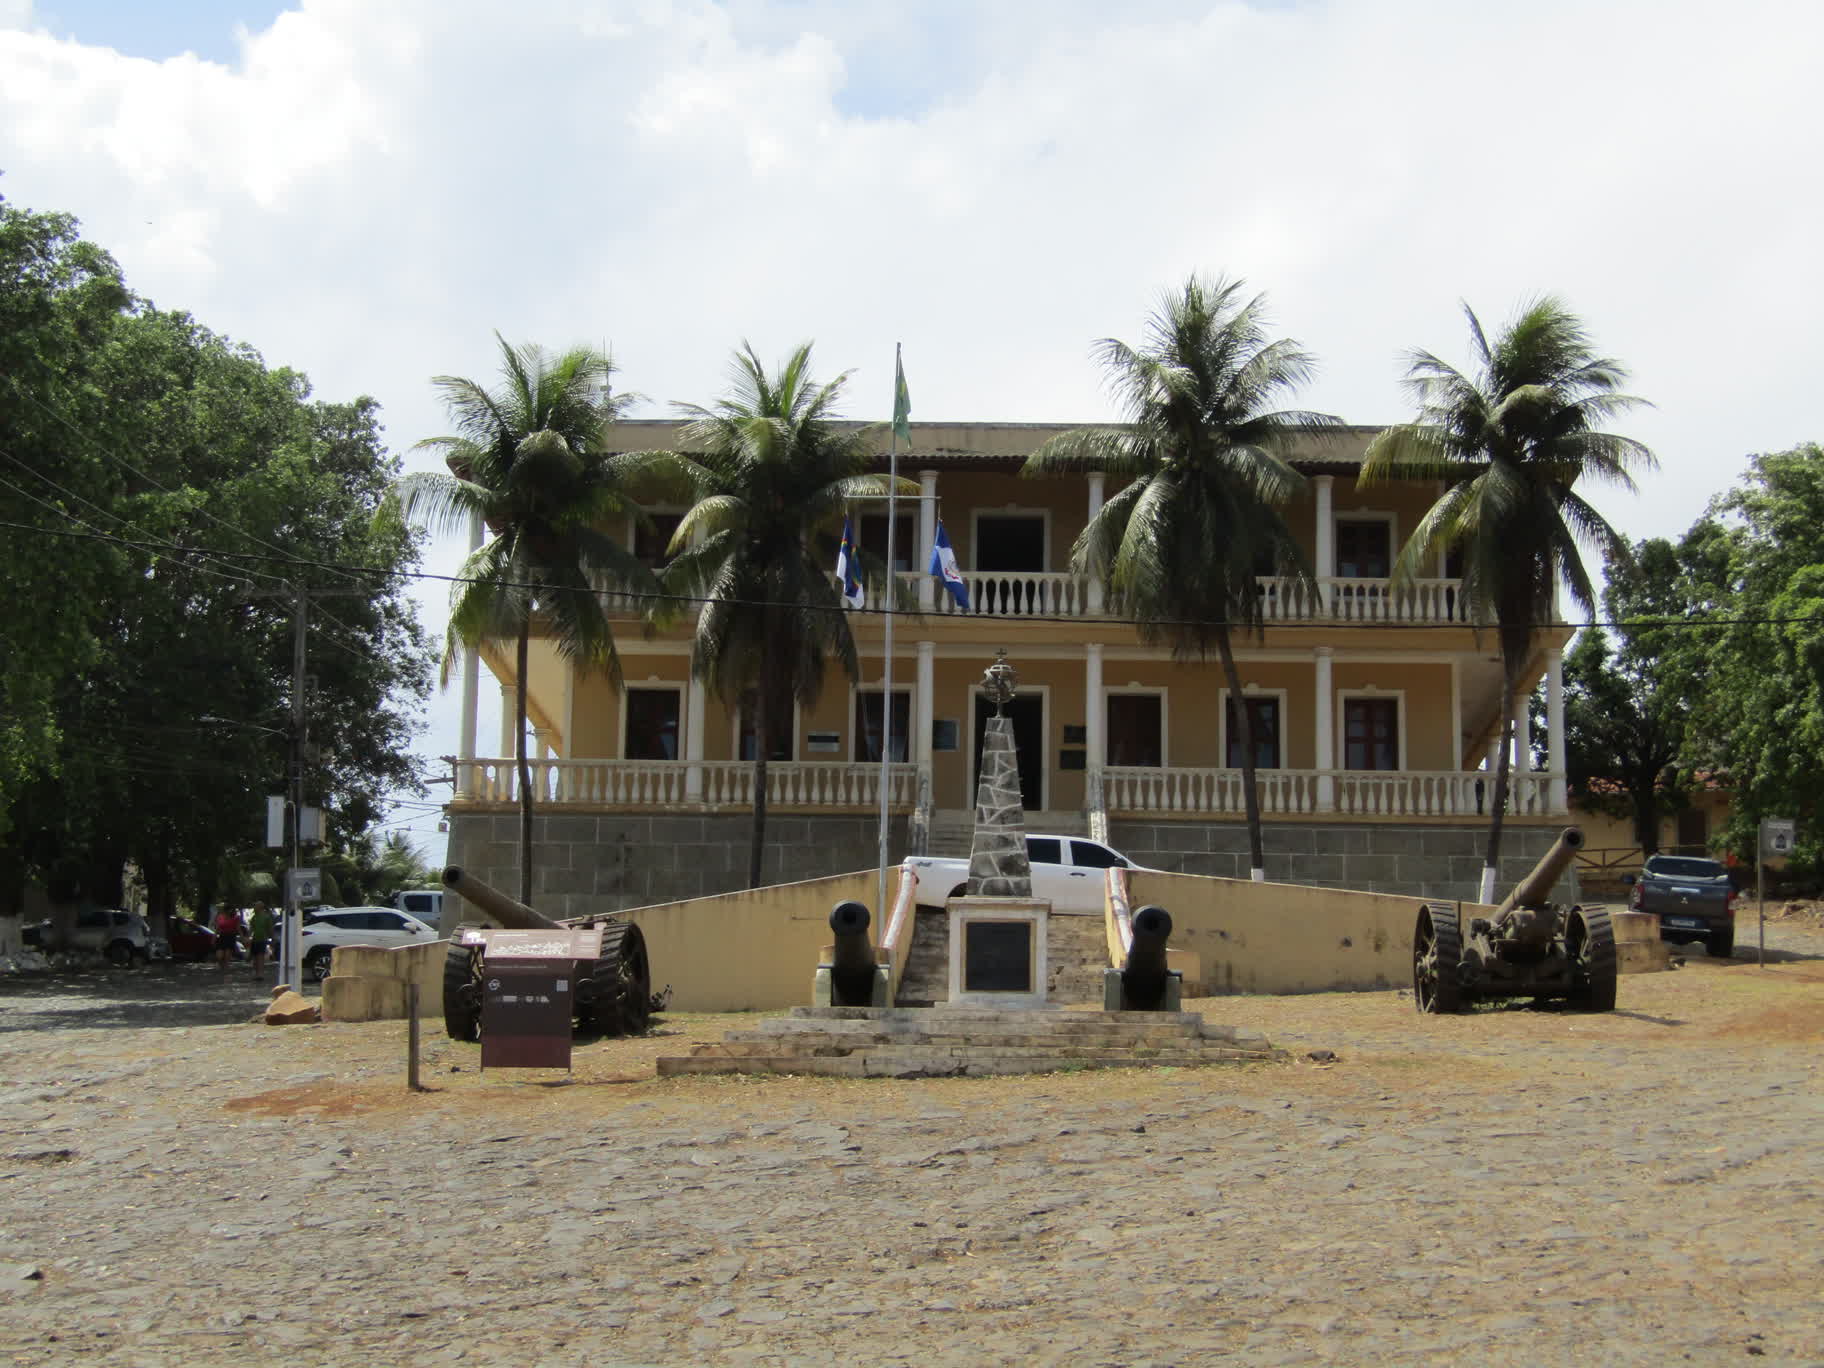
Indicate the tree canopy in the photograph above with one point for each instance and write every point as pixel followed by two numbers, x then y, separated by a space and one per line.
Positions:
pixel 164 491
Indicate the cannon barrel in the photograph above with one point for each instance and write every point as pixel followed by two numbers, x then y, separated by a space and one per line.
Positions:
pixel 1534 888
pixel 1143 976
pixel 514 916
pixel 852 956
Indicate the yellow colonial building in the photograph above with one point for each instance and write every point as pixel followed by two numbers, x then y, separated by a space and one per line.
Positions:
pixel 1376 711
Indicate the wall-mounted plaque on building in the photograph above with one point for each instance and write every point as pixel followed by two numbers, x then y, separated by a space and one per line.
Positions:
pixel 1073 758
pixel 1076 736
pixel 943 734
pixel 823 743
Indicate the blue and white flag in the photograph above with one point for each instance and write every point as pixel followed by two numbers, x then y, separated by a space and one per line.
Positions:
pixel 943 565
pixel 853 595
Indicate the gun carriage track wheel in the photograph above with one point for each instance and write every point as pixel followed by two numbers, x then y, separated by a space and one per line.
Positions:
pixel 1437 949
pixel 461 993
pixel 1590 939
pixel 620 985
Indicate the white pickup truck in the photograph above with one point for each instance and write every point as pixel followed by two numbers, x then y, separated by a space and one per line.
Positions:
pixel 1067 870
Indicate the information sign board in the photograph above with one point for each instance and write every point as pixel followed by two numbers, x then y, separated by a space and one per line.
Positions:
pixel 526 1008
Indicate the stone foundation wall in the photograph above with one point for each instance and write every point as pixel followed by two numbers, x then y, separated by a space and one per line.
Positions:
pixel 585 864
pixel 1420 862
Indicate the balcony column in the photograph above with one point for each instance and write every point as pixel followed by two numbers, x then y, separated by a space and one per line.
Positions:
pixel 1554 735
pixel 1097 482
pixel 927 538
pixel 694 707
pixel 1326 537
pixel 471 695
pixel 509 710
pixel 1095 711
pixel 923 705
pixel 1523 737
pixel 1326 729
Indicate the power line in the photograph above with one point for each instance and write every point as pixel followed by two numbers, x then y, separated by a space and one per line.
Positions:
pixel 694 600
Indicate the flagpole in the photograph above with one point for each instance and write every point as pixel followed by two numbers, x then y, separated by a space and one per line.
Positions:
pixel 886 678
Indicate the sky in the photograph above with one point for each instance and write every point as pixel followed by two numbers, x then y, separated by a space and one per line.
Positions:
pixel 366 192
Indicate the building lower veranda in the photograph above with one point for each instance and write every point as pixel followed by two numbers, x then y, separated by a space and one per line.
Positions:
pixel 1375 711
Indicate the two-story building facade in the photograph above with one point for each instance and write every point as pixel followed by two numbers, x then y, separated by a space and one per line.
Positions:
pixel 1376 711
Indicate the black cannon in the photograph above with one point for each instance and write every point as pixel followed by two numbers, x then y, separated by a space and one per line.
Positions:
pixel 613 994
pixel 1143 983
pixel 851 974
pixel 1529 948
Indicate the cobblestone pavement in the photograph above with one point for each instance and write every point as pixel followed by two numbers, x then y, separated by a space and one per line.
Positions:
pixel 1513 1186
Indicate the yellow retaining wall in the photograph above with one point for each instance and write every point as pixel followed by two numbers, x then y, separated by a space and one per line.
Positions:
pixel 367 982
pixel 1287 938
pixel 753 951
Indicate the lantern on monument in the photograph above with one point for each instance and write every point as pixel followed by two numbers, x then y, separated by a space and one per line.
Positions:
pixel 1000 681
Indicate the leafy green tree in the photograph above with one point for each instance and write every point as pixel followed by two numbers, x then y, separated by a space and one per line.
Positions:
pixel 161 483
pixel 772 470
pixel 1509 441
pixel 1755 563
pixel 527 459
pixel 1182 545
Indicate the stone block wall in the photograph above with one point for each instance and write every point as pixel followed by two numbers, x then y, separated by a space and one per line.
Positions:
pixel 1416 861
pixel 602 863
pixel 585 863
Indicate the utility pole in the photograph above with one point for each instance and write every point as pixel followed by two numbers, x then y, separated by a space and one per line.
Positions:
pixel 291 942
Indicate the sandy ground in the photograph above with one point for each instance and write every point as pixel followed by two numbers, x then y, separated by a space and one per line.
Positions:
pixel 1512 1186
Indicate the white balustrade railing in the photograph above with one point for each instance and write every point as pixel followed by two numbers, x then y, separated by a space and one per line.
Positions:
pixel 1018 593
pixel 1044 593
pixel 684 783
pixel 1129 789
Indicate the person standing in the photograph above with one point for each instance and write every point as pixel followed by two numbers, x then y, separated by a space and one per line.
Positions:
pixel 227 932
pixel 259 937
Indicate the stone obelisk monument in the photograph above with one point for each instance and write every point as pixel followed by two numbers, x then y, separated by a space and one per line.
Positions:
pixel 998 867
pixel 997 928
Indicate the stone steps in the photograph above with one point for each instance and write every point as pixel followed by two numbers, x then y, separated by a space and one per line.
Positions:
pixel 898 1042
pixel 926 978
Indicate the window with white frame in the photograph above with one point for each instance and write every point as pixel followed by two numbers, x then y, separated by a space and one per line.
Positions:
pixel 1265 717
pixel 868 725
pixel 652 724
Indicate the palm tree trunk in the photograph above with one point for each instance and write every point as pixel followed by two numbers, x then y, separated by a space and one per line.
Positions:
pixel 1497 810
pixel 763 746
pixel 525 769
pixel 1244 733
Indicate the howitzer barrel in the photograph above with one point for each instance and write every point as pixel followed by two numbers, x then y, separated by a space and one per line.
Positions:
pixel 1534 888
pixel 1144 972
pixel 514 916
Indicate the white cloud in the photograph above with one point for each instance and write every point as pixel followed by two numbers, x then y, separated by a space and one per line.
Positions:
pixel 370 190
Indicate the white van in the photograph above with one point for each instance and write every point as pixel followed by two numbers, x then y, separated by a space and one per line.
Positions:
pixel 426 904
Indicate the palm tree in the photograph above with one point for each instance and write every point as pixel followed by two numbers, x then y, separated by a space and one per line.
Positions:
pixel 1182 545
pixel 1508 442
pixel 773 471
pixel 527 458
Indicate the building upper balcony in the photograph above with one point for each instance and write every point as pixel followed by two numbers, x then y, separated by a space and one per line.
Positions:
pixel 1060 594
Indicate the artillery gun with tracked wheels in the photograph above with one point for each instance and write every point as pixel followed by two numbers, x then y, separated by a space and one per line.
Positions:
pixel 613 992
pixel 1529 948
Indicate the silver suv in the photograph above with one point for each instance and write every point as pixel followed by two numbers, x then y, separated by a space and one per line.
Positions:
pixel 123 937
pixel 328 927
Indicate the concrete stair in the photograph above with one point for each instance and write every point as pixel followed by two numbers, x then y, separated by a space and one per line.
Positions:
pixel 936 1042
pixel 927 974
pixel 1076 953
pixel 953 829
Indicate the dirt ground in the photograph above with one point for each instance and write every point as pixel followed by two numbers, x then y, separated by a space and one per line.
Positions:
pixel 1514 1186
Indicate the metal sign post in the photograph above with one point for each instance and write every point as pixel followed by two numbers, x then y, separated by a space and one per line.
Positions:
pixel 301 886
pixel 1776 836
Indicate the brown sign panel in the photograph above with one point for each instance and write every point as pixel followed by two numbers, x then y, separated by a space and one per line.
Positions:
pixel 526 1007
pixel 560 943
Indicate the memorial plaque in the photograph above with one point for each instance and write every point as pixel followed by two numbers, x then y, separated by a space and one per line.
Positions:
pixel 526 1006
pixel 997 957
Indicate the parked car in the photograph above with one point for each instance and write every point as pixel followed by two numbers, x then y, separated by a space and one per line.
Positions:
pixel 328 927
pixel 189 940
pixel 1067 870
pixel 426 904
pixel 123 937
pixel 1692 897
